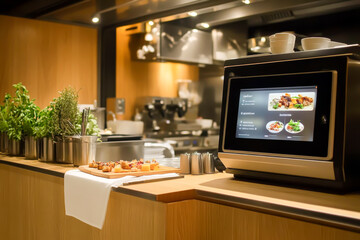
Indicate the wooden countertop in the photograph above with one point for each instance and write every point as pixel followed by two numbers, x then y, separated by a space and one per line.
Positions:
pixel 325 208
pixel 55 169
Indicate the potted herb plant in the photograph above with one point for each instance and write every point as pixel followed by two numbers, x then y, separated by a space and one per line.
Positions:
pixel 23 116
pixel 44 132
pixel 4 114
pixel 64 121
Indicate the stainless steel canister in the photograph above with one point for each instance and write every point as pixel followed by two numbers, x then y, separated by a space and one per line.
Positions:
pixel 196 163
pixel 208 162
pixel 5 149
pixel 84 149
pixel 46 149
pixel 2 145
pixel 31 149
pixel 6 143
pixel 185 163
pixel 64 149
pixel 16 147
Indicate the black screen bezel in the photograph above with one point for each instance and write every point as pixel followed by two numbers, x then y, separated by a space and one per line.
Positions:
pixel 318 147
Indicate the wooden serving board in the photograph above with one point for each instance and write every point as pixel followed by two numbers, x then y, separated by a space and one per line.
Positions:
pixel 100 173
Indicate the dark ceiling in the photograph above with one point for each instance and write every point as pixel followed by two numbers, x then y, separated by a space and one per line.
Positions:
pixel 32 8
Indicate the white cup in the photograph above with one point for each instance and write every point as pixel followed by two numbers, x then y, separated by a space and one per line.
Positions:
pixel 283 36
pixel 313 43
pixel 282 43
pixel 282 46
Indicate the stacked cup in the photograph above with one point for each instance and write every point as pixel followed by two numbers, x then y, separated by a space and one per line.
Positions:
pixel 313 43
pixel 282 42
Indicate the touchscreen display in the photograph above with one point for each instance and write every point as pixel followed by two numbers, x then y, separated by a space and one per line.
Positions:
pixel 277 113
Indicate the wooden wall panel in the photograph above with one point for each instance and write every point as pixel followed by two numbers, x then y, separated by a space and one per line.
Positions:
pixel 139 79
pixel 47 57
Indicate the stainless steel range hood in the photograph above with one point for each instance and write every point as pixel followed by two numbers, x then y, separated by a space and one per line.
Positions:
pixel 171 42
pixel 214 12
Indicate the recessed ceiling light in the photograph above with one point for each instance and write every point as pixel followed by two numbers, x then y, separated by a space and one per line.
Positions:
pixel 95 19
pixel 246 1
pixel 151 23
pixel 204 25
pixel 149 37
pixel 192 14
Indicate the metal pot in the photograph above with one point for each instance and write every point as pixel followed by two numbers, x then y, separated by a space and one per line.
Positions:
pixel 31 147
pixel 2 136
pixel 16 147
pixel 6 144
pixel 46 149
pixel 84 149
pixel 64 149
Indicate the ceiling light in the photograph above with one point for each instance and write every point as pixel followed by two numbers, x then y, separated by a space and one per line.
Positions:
pixel 246 1
pixel 151 23
pixel 204 25
pixel 195 30
pixel 96 18
pixel 149 37
pixel 192 14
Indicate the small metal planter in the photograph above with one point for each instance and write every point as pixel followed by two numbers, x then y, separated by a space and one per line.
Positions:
pixel 31 147
pixel 4 143
pixel 64 149
pixel 46 147
pixel 16 147
pixel 84 149
pixel 2 138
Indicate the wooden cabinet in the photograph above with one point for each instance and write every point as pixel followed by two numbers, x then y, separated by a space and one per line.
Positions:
pixel 194 219
pixel 32 207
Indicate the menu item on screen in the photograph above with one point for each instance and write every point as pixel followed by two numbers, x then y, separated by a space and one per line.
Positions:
pixel 274 126
pixel 286 113
pixel 294 127
pixel 291 101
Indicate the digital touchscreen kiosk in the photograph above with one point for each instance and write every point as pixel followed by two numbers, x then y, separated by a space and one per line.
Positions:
pixel 277 113
pixel 280 113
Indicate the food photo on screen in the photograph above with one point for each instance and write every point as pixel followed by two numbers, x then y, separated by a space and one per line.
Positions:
pixel 302 101
pixel 294 127
pixel 274 126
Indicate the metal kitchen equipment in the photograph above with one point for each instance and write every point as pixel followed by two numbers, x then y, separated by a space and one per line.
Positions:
pixel 31 147
pixel 159 113
pixel 319 150
pixel 46 149
pixel 196 163
pixel 185 163
pixel 119 150
pixel 16 147
pixel 64 149
pixel 4 142
pixel 208 162
pixel 84 149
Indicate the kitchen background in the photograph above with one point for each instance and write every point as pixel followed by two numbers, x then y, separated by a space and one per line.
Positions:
pixel 175 55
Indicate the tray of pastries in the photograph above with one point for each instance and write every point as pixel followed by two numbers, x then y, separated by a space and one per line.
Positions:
pixel 125 168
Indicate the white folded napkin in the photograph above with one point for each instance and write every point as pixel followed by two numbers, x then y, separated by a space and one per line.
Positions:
pixel 86 196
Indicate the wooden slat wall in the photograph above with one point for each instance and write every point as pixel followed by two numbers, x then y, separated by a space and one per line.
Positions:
pixel 139 79
pixel 47 57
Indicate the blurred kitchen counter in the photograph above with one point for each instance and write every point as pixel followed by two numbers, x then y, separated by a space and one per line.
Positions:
pixel 195 207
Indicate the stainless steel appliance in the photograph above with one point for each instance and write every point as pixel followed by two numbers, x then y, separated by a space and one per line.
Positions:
pixel 159 113
pixel 293 117
pixel 164 118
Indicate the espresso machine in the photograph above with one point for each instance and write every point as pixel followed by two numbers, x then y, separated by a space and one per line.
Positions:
pixel 164 118
pixel 162 115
